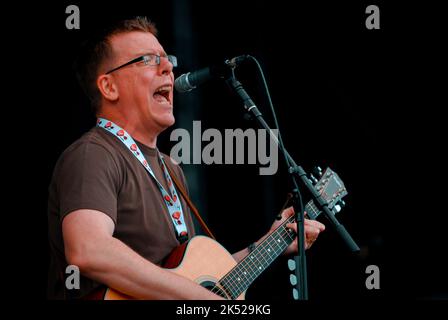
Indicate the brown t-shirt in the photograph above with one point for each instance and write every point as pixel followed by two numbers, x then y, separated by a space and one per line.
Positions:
pixel 98 172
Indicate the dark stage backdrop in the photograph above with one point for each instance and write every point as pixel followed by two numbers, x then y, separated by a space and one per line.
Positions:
pixel 342 95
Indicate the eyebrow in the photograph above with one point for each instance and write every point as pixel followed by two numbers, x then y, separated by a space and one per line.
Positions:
pixel 162 54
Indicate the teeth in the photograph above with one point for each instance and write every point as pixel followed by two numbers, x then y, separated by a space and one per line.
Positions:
pixel 164 88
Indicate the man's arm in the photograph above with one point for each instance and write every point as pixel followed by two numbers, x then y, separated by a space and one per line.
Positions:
pixel 89 244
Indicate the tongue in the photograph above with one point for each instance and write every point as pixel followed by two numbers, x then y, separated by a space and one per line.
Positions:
pixel 160 98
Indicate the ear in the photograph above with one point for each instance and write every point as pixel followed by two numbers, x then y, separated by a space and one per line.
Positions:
pixel 107 87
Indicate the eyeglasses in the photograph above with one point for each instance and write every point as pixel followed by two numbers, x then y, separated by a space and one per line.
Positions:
pixel 149 60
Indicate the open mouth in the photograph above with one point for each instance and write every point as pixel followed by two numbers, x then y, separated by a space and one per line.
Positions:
pixel 162 94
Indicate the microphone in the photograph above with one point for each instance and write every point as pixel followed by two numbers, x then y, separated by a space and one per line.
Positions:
pixel 191 80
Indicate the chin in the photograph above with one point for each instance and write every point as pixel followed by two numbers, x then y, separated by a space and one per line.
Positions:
pixel 172 121
pixel 167 121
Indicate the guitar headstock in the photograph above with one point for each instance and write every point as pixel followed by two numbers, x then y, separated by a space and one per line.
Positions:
pixel 331 188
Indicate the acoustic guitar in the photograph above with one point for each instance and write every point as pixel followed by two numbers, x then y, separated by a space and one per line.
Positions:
pixel 206 262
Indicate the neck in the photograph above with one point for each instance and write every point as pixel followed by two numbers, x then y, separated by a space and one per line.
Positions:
pixel 135 129
pixel 145 138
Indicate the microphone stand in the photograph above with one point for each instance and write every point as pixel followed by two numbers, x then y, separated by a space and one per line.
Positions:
pixel 295 171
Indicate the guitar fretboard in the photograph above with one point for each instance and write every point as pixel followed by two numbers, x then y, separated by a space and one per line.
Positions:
pixel 240 277
pixel 311 210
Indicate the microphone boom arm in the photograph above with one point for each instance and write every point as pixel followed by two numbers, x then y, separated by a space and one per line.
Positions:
pixel 295 171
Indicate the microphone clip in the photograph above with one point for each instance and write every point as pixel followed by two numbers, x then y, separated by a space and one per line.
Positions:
pixel 234 62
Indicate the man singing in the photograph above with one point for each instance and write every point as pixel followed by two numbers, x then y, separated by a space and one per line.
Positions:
pixel 114 211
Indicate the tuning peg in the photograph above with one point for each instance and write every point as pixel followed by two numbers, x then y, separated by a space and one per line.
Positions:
pixel 338 207
pixel 313 179
pixel 293 279
pixel 295 294
pixel 291 264
pixel 317 171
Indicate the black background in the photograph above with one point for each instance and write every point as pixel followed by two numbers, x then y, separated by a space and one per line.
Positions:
pixel 364 102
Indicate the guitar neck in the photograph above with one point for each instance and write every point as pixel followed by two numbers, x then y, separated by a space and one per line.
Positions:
pixel 311 210
pixel 241 277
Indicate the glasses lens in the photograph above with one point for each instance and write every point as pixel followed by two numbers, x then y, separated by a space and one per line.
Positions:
pixel 173 60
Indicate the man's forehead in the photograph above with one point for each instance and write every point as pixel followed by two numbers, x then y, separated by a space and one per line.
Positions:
pixel 136 42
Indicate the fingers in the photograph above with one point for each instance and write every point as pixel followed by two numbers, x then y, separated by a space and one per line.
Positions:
pixel 312 230
pixel 288 212
pixel 311 233
pixel 315 224
pixel 308 223
pixel 292 226
pixel 285 213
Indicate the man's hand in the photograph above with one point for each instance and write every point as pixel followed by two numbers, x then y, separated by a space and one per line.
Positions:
pixel 312 230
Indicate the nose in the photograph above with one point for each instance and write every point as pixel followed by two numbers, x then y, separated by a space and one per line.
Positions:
pixel 165 67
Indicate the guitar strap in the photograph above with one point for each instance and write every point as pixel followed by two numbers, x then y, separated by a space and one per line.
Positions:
pixel 184 194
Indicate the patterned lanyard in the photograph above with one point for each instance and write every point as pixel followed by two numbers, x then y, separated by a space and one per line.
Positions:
pixel 172 201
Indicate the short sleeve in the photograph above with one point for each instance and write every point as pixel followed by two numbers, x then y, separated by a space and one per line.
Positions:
pixel 87 178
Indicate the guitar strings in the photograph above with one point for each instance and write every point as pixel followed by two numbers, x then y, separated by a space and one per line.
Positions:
pixel 231 283
pixel 281 231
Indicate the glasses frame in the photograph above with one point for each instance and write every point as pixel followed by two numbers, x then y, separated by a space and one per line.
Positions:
pixel 172 59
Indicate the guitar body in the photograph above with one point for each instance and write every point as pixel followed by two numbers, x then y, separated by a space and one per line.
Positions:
pixel 201 259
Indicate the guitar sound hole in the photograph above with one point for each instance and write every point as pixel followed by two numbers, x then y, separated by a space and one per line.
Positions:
pixel 211 285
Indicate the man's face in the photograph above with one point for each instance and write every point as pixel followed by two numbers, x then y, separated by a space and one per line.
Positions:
pixel 145 91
